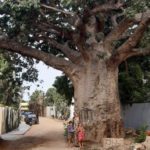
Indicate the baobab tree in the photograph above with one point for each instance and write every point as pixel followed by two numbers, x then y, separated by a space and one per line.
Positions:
pixel 87 40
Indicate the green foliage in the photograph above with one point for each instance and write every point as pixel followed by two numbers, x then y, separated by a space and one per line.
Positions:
pixel 56 99
pixel 64 87
pixel 13 71
pixel 50 94
pixel 146 38
pixel 134 80
pixel 17 17
pixel 10 89
pixel 141 134
pixel 136 6
pixel 36 96
pixel 20 21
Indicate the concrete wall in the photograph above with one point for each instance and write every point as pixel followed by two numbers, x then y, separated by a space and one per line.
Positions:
pixel 50 111
pixel 136 115
pixel 9 119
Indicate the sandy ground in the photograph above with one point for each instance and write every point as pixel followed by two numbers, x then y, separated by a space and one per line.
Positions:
pixel 48 135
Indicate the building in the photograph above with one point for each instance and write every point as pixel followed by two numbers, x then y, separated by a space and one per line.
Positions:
pixel 24 106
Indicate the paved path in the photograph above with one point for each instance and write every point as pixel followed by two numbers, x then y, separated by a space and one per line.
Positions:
pixel 48 135
pixel 17 133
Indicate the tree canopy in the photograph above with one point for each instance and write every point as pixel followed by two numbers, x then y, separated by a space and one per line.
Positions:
pixel 67 30
pixel 63 29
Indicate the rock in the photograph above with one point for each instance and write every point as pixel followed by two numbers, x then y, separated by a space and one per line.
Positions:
pixel 130 131
pixel 113 144
pixel 147 142
pixel 138 146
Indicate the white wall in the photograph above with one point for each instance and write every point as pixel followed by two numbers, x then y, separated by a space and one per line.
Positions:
pixel 9 119
pixel 50 111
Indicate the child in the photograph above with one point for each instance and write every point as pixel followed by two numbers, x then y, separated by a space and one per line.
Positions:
pixel 65 130
pixel 70 131
pixel 81 135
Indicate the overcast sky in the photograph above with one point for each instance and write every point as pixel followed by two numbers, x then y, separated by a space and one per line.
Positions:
pixel 47 74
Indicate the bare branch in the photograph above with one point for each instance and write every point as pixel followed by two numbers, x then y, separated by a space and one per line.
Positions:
pixel 139 52
pixel 58 10
pixel 106 7
pixel 116 33
pixel 49 59
pixel 133 52
pixel 114 19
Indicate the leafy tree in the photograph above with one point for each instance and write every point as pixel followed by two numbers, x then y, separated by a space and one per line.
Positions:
pixel 134 80
pixel 53 98
pixel 64 87
pixel 36 103
pixel 10 89
pixel 87 40
pixel 14 69
pixel 36 96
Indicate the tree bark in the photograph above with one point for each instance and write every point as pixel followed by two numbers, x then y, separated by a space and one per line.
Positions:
pixel 97 101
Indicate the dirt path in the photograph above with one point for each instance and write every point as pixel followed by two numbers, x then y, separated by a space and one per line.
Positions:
pixel 48 135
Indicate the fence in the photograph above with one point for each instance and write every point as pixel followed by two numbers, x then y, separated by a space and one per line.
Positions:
pixel 9 119
pixel 136 115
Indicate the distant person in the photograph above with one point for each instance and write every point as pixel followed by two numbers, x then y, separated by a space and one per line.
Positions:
pixel 70 133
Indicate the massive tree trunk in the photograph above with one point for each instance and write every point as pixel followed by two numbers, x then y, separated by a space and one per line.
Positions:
pixel 97 101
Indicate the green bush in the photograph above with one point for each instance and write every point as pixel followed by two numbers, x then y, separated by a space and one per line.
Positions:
pixel 141 134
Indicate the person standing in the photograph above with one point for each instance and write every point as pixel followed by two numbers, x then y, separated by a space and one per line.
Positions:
pixel 81 135
pixel 70 131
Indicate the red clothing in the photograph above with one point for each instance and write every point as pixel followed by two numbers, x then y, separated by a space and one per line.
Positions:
pixel 81 135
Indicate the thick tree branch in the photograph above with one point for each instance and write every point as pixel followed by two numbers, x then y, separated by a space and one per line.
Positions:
pixel 49 59
pixel 139 52
pixel 133 52
pixel 49 27
pixel 135 37
pixel 116 33
pixel 71 54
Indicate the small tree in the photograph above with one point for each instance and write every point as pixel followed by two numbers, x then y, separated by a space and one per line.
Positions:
pixel 36 103
pixel 53 98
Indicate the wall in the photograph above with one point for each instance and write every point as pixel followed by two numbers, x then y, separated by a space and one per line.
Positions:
pixel 50 111
pixel 24 106
pixel 9 119
pixel 136 115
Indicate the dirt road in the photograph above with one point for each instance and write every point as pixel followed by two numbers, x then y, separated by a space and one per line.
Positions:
pixel 48 135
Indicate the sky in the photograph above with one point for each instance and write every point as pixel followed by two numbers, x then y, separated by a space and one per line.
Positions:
pixel 47 74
